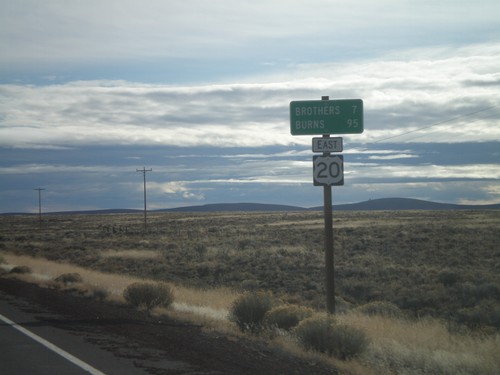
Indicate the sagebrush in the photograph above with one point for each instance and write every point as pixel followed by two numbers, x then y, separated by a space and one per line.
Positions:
pixel 325 335
pixel 286 317
pixel 149 295
pixel 248 311
pixel 69 278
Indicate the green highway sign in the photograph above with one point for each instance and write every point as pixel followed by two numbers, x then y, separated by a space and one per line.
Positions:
pixel 344 116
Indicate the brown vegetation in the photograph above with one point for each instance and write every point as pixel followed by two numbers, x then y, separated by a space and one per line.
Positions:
pixel 391 268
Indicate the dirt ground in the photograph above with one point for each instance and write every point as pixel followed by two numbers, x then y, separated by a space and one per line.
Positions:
pixel 130 332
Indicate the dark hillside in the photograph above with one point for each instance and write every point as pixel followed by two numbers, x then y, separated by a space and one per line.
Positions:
pixel 399 204
pixel 384 204
pixel 242 207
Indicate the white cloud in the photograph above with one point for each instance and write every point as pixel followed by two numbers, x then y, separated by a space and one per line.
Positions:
pixel 424 171
pixel 392 157
pixel 427 72
pixel 493 189
pixel 55 30
pixel 449 99
pixel 60 168
pixel 468 201
pixel 179 188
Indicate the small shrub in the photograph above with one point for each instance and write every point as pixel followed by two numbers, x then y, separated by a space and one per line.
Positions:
pixel 448 277
pixel 359 291
pixel 347 342
pixel 250 284
pixel 245 244
pixel 69 278
pixel 20 270
pixel 381 308
pixel 488 290
pixel 484 314
pixel 287 317
pixel 313 333
pixel 325 336
pixel 248 311
pixel 148 296
pixel 98 293
pixel 204 270
pixel 200 250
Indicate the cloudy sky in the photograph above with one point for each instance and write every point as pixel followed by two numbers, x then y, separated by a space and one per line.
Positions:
pixel 199 92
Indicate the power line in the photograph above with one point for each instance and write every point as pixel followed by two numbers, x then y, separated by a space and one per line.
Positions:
pixel 437 123
pixel 468 123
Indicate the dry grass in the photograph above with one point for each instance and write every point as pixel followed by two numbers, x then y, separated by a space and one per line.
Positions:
pixel 395 257
pixel 208 307
pixel 397 346
pixel 210 303
pixel 44 270
pixel 424 346
pixel 130 254
pixel 218 298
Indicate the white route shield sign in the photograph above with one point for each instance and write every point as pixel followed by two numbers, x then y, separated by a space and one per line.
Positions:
pixel 328 170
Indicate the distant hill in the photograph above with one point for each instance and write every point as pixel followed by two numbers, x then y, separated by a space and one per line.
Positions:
pixel 87 212
pixel 388 204
pixel 384 204
pixel 106 211
pixel 370 205
pixel 245 207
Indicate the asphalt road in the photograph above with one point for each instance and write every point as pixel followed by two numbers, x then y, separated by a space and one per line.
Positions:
pixel 30 345
pixel 98 337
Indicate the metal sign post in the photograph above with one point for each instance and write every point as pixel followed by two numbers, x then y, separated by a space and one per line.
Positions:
pixel 327 117
pixel 329 258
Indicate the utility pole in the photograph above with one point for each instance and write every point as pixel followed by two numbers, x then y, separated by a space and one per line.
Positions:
pixel 39 205
pixel 144 170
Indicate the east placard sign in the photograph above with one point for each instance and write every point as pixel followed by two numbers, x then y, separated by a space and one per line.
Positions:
pixel 344 116
pixel 330 144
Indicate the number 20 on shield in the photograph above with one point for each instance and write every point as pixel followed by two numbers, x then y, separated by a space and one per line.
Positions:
pixel 328 170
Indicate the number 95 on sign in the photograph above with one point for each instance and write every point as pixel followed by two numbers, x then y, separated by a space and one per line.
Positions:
pixel 328 170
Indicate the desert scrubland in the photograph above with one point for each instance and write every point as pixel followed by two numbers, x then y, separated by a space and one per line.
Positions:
pixel 424 286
